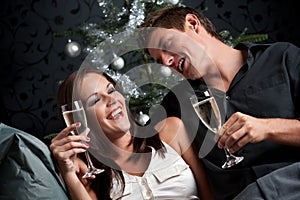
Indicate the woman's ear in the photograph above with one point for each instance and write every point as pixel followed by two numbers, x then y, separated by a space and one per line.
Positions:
pixel 192 22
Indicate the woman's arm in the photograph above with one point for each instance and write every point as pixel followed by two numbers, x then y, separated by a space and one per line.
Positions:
pixel 196 166
pixel 65 147
pixel 172 131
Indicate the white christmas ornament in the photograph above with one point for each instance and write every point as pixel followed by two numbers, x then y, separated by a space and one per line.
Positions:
pixel 143 118
pixel 72 48
pixel 118 63
pixel 173 2
pixel 166 71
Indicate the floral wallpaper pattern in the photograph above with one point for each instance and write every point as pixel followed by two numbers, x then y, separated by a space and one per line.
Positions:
pixel 33 60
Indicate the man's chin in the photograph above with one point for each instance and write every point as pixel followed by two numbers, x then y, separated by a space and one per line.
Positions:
pixel 190 76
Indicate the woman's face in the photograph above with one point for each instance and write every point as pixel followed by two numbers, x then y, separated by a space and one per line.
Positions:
pixel 104 103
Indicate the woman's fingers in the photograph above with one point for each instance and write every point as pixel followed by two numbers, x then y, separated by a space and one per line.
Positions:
pixel 65 145
pixel 66 131
pixel 70 142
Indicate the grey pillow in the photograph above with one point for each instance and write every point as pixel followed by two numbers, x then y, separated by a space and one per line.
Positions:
pixel 26 168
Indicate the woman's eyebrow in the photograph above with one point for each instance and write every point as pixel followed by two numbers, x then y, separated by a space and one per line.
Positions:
pixel 93 94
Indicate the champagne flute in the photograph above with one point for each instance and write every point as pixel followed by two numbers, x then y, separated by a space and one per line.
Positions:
pixel 209 114
pixel 72 113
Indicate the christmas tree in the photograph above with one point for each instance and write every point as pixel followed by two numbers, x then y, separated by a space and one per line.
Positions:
pixel 145 91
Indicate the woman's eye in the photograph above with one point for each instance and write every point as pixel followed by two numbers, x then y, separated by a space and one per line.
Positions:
pixel 96 100
pixel 93 101
pixel 111 90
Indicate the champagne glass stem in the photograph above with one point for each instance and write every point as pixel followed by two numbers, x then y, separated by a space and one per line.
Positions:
pixel 89 162
pixel 231 159
pixel 91 169
pixel 227 153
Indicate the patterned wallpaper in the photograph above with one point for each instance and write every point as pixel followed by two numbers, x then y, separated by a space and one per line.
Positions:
pixel 33 59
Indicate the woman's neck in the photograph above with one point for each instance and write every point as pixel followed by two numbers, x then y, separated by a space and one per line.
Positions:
pixel 134 163
pixel 123 155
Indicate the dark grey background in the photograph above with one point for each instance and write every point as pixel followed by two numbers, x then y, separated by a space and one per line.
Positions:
pixel 33 59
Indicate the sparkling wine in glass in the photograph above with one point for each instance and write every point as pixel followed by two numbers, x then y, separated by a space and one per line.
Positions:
pixel 73 113
pixel 209 114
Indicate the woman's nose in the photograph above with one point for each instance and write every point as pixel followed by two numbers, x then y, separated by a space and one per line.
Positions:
pixel 110 100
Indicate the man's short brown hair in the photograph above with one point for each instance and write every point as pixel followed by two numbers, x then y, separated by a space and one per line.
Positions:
pixel 174 17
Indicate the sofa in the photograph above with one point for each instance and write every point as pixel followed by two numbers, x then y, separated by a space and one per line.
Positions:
pixel 27 172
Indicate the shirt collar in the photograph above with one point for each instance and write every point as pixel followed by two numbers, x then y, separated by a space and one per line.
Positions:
pixel 252 49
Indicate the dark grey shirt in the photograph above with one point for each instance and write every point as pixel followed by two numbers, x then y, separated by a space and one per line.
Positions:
pixel 268 86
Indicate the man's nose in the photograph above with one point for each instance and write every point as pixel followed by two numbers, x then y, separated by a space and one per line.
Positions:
pixel 168 60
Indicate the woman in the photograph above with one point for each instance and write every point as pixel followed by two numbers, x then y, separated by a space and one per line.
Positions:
pixel 139 164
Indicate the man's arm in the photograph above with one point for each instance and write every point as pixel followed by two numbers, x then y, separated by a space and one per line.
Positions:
pixel 241 129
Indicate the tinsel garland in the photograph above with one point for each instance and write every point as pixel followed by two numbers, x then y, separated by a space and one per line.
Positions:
pixel 106 37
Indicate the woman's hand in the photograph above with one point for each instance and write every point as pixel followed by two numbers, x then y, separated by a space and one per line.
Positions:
pixel 65 147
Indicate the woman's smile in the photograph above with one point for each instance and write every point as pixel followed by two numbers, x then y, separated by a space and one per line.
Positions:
pixel 116 114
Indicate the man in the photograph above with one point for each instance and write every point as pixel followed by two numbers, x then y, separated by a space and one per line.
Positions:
pixel 261 89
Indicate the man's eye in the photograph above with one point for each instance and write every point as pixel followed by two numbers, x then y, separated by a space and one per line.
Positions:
pixel 167 45
pixel 164 47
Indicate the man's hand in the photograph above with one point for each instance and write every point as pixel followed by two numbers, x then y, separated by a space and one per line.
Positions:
pixel 241 129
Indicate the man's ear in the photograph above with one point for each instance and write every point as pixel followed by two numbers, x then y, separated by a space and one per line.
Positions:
pixel 192 22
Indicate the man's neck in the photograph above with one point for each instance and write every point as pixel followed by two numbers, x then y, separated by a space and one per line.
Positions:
pixel 228 61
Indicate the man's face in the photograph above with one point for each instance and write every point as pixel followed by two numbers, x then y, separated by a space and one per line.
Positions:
pixel 178 50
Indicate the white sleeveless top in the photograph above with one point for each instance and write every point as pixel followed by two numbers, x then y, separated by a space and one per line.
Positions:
pixel 167 177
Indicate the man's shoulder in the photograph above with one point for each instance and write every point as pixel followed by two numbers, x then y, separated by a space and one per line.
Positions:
pixel 278 46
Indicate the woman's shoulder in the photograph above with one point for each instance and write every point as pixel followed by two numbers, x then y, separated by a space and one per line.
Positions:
pixel 171 130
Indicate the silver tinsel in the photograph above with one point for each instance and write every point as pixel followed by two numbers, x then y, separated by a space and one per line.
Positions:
pixel 129 87
pixel 110 11
pixel 103 48
pixel 137 14
pixel 113 16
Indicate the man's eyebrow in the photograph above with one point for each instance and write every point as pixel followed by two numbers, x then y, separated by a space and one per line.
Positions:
pixel 156 45
pixel 160 43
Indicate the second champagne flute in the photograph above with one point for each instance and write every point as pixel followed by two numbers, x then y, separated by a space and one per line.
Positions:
pixel 73 113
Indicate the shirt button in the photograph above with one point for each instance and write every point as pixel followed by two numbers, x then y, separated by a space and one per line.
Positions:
pixel 227 97
pixel 149 193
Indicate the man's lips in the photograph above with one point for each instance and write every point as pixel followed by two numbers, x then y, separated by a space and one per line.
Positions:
pixel 181 65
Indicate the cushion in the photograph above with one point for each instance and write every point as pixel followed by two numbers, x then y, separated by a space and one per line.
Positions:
pixel 26 168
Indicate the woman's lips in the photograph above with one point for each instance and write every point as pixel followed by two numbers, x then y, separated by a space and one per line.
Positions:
pixel 115 114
